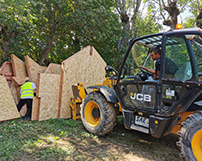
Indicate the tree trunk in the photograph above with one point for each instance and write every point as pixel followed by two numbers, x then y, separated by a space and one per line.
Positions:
pixel 199 17
pixel 173 12
pixel 53 28
pixel 124 18
pixel 45 53
pixel 5 52
pixel 136 7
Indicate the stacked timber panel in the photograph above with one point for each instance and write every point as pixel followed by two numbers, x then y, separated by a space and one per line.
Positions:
pixel 53 69
pixel 35 108
pixel 8 108
pixel 86 66
pixel 19 68
pixel 48 91
pixel 6 70
pixel 53 83
pixel 20 76
pixel 33 69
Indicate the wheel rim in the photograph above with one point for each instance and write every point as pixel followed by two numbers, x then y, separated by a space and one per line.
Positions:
pixel 197 145
pixel 92 113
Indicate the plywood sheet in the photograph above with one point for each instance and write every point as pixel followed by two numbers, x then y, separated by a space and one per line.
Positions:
pixel 19 70
pixel 48 84
pixel 53 69
pixel 48 91
pixel 18 66
pixel 13 89
pixel 35 108
pixel 86 66
pixel 48 107
pixel 23 110
pixel 19 80
pixel 9 83
pixel 8 77
pixel 6 69
pixel 8 109
pixel 33 69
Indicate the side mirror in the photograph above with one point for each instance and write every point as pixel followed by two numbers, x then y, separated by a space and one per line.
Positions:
pixel 109 69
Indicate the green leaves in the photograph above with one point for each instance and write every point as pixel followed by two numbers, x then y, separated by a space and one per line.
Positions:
pixel 52 30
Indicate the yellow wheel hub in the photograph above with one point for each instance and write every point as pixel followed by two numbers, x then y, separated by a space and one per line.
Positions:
pixel 92 113
pixel 197 145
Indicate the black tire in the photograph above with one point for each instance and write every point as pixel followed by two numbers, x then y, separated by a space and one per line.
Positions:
pixel 190 138
pixel 97 114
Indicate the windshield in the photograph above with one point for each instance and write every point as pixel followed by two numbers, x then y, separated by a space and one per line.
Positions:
pixel 140 55
pixel 197 48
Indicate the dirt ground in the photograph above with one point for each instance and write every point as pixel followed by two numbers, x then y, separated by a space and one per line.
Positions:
pixel 124 144
pixel 68 140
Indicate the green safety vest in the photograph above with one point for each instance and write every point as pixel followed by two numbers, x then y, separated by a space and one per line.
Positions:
pixel 27 90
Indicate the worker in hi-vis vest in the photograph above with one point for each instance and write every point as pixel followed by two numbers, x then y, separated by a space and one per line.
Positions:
pixel 27 94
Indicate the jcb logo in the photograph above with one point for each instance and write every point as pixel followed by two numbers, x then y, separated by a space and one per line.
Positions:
pixel 140 97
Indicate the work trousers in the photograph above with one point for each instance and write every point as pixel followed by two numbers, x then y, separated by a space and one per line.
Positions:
pixel 22 102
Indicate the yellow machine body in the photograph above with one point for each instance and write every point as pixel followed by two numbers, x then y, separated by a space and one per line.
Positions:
pixel 79 93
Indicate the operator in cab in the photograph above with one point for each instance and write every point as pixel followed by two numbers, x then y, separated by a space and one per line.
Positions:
pixel 155 55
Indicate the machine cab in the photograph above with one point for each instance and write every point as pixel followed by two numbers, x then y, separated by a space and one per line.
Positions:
pixel 179 83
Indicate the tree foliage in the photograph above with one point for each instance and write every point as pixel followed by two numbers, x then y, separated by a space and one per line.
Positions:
pixel 52 30
pixel 95 25
pixel 12 18
pixel 169 10
pixel 195 8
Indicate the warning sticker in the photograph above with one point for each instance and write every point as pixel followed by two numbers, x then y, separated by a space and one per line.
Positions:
pixel 170 93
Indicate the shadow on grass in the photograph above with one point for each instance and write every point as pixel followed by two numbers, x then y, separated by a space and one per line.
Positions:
pixel 59 139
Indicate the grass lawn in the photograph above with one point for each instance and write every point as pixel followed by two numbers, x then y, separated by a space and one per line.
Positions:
pixel 60 139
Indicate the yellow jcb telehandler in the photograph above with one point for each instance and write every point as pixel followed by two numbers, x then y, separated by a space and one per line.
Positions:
pixel 170 104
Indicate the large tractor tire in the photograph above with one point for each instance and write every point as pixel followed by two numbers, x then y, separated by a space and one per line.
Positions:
pixel 97 114
pixel 190 138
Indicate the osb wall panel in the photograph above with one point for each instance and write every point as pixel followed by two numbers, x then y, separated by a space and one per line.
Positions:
pixel 98 65
pixel 8 109
pixel 48 84
pixel 48 91
pixel 18 66
pixel 19 80
pixel 19 70
pixel 53 69
pixel 14 91
pixel 48 106
pixel 33 69
pixel 35 108
pixel 86 66
pixel 9 83
pixel 23 110
pixel 6 69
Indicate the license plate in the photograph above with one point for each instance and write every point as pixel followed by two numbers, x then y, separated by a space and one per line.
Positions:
pixel 143 121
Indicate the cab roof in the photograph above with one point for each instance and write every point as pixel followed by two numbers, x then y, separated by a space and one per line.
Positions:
pixel 156 39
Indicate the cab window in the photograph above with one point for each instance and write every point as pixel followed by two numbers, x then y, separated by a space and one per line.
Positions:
pixel 177 60
pixel 197 49
pixel 139 56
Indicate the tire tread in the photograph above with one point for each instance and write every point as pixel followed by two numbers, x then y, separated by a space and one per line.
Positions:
pixel 184 134
pixel 109 114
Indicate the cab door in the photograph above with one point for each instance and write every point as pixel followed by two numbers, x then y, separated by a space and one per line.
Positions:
pixel 179 74
pixel 137 91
